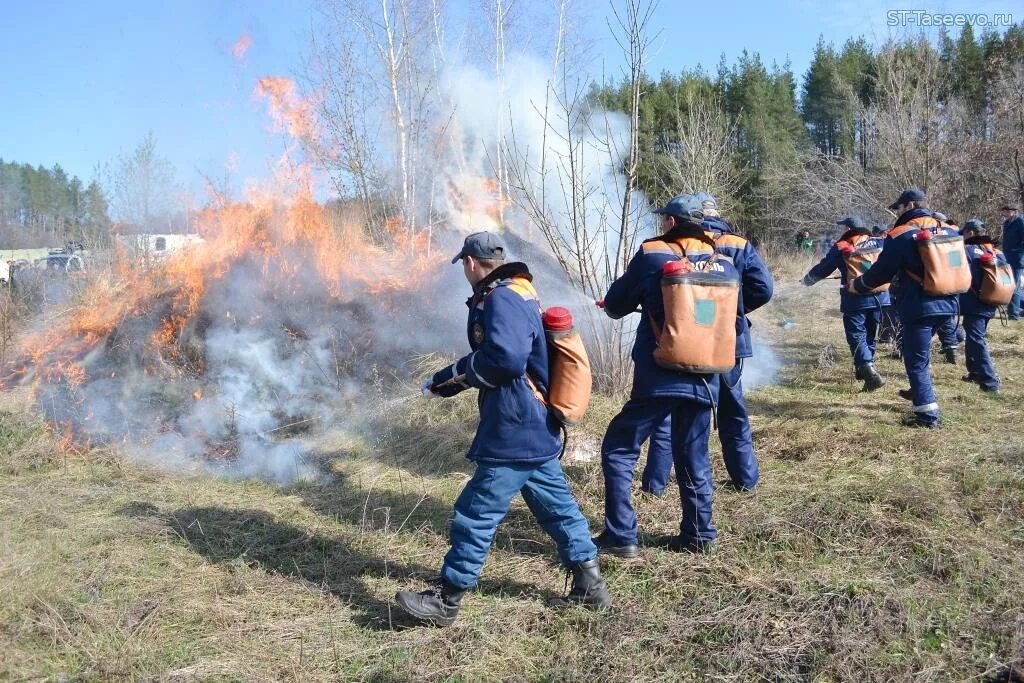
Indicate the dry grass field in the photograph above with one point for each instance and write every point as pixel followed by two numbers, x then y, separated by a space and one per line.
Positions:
pixel 870 552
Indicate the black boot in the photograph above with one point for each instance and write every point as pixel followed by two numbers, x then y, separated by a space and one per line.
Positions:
pixel 678 544
pixel 588 587
pixel 607 546
pixel 872 380
pixel 915 420
pixel 437 606
pixel 949 354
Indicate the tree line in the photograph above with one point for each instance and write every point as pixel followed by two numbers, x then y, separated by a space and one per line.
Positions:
pixel 46 207
pixel 862 123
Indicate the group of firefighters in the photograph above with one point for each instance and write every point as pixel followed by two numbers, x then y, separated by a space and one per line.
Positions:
pixel 892 293
pixel 699 269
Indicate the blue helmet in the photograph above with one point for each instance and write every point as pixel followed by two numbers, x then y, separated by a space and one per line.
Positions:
pixel 686 206
pixel 709 203
pixel 974 225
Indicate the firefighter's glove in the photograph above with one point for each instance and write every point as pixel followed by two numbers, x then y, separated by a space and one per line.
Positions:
pixel 447 383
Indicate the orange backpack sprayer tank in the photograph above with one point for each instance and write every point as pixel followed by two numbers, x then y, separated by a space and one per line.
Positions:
pixel 858 262
pixel 569 377
pixel 946 270
pixel 996 286
pixel 700 320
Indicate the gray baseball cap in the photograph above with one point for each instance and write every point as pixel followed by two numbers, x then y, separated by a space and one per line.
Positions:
pixel 482 245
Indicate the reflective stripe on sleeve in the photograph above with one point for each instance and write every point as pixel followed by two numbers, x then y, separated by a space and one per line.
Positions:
pixel 472 368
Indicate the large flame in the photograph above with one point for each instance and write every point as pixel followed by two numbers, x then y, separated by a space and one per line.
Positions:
pixel 297 281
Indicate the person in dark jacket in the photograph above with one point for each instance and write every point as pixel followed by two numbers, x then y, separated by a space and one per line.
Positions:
pixel 976 313
pixel 861 312
pixel 1013 247
pixel 517 444
pixel 734 433
pixel 659 393
pixel 920 313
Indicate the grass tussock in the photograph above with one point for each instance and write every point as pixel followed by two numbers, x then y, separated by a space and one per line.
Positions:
pixel 868 553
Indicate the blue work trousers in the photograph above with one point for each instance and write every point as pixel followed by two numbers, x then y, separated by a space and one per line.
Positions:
pixel 733 432
pixel 1014 307
pixel 485 501
pixel 861 329
pixel 979 362
pixel 949 334
pixel 917 351
pixel 691 423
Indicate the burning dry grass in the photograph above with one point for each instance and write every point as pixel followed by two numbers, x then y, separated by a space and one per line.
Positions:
pixel 869 552
pixel 241 342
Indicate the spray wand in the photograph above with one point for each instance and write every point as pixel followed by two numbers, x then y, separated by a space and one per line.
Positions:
pixel 430 389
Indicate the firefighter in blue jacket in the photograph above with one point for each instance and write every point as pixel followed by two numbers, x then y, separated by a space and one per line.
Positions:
pixel 861 312
pixel 976 313
pixel 734 431
pixel 659 393
pixel 518 442
pixel 1013 247
pixel 920 313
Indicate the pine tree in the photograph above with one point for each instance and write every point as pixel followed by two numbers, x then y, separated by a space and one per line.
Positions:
pixel 823 105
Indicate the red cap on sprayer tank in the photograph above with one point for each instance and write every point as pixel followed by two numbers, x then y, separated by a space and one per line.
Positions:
pixel 557 319
pixel 988 257
pixel 673 268
pixel 847 248
pixel 922 235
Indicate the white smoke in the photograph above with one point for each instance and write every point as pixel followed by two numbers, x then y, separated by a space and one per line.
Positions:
pixel 559 158
pixel 762 368
pixel 280 355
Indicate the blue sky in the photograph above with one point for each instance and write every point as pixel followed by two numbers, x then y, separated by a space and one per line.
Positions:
pixel 82 82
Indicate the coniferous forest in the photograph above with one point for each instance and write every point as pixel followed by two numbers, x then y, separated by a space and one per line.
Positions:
pixel 784 151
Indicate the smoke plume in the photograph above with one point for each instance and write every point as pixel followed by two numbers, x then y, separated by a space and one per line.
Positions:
pixel 230 357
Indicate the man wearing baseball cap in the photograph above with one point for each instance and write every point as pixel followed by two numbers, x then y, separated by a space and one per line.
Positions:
pixel 659 393
pixel 518 441
pixel 977 313
pixel 734 433
pixel 921 314
pixel 861 312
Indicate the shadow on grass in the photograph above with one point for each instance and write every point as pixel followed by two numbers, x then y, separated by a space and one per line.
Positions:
pixel 376 508
pixel 332 563
pixel 384 510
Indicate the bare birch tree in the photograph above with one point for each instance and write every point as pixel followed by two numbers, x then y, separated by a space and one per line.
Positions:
pixel 634 39
pixel 702 157
pixel 905 123
pixel 1007 146
pixel 375 59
